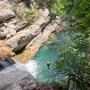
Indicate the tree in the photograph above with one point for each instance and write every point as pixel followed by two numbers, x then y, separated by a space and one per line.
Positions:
pixel 72 62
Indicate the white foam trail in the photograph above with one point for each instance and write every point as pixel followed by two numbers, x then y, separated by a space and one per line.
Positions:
pixel 31 67
pixel 14 67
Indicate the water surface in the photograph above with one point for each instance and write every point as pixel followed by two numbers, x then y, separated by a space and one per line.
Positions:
pixel 49 52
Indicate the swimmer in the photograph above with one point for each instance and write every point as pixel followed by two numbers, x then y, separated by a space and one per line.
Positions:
pixel 48 64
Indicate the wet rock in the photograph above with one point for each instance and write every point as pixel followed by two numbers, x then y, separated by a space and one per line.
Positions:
pixel 21 80
pixel 6 61
pixel 44 87
pixel 17 80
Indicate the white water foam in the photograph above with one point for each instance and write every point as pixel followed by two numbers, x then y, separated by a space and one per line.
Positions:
pixel 31 67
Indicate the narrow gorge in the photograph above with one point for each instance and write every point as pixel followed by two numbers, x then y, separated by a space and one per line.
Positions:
pixel 44 45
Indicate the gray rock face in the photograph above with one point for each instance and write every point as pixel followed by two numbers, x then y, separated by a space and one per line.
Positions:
pixel 22 38
pixel 9 29
pixel 5 11
pixel 6 14
pixel 17 80
pixel 9 24
pixel 5 62
pixel 20 80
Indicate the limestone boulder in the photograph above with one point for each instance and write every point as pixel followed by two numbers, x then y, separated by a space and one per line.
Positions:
pixel 6 14
pixel 43 12
pixel 22 38
pixel 9 29
pixel 4 4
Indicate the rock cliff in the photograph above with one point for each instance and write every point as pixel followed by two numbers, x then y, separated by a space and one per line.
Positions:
pixel 16 31
pixel 20 33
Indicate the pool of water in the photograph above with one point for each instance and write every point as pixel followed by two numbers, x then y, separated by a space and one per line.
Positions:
pixel 49 52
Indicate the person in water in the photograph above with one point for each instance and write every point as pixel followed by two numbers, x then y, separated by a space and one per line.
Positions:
pixel 48 64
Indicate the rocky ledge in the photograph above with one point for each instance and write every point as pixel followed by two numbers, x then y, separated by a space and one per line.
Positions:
pixel 20 80
pixel 21 36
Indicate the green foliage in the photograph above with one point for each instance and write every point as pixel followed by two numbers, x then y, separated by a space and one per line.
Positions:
pixel 18 14
pixel 30 14
pixel 79 9
pixel 58 8
pixel 27 14
pixel 72 61
pixel 55 6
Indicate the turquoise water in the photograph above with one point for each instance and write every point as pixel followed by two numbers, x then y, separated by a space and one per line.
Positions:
pixel 44 55
pixel 49 52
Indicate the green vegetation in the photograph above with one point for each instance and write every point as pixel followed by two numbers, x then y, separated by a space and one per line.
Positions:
pixel 26 14
pixel 72 61
pixel 55 7
pixel 30 15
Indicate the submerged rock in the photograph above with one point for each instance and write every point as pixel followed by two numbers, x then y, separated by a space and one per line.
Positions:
pixel 9 23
